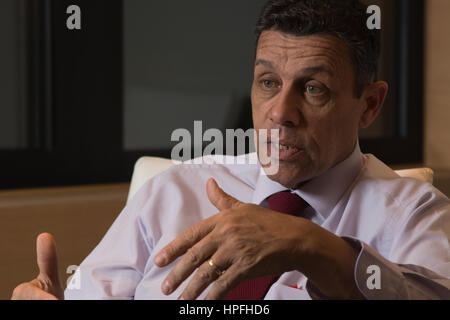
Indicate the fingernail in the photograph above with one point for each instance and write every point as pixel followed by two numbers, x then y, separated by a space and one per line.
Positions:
pixel 166 287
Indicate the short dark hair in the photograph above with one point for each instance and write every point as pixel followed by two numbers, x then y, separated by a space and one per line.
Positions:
pixel 345 19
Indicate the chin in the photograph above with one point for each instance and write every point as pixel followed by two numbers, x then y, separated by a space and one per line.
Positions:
pixel 287 178
pixel 284 181
pixel 292 175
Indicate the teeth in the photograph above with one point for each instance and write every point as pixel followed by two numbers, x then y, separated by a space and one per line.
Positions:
pixel 281 146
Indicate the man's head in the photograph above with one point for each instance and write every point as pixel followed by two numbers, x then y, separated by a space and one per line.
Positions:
pixel 315 66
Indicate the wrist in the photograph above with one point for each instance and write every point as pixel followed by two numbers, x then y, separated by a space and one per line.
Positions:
pixel 329 264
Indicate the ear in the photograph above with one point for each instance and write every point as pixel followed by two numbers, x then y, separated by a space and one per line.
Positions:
pixel 373 98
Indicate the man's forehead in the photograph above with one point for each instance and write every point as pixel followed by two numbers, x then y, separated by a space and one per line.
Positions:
pixel 276 47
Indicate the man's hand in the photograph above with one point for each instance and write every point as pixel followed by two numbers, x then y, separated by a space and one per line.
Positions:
pixel 249 241
pixel 47 285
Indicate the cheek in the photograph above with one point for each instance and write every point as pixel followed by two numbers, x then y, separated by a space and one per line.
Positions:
pixel 258 112
pixel 333 136
pixel 322 134
pixel 255 108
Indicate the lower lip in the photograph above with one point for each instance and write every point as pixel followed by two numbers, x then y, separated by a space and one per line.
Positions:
pixel 284 155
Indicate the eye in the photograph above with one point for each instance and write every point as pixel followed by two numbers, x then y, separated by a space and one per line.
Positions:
pixel 268 84
pixel 313 90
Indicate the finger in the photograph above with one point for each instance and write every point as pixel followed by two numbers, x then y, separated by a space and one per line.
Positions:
pixel 31 291
pixel 218 197
pixel 227 282
pixel 193 258
pixel 47 259
pixel 184 241
pixel 205 275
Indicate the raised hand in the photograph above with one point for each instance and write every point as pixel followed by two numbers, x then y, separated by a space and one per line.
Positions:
pixel 246 240
pixel 47 285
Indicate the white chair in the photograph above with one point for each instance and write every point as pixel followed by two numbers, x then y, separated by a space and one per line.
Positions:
pixel 422 174
pixel 148 167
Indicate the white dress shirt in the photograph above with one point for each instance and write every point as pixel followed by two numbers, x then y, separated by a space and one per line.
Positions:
pixel 399 225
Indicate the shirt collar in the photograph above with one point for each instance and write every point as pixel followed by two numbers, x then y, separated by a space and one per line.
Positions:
pixel 321 193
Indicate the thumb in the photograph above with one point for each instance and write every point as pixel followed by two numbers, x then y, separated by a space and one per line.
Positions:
pixel 219 198
pixel 47 261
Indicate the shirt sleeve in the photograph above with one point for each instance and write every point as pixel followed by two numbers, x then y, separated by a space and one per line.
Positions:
pixel 379 279
pixel 115 267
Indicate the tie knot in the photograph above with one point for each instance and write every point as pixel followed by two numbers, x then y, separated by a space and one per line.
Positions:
pixel 287 202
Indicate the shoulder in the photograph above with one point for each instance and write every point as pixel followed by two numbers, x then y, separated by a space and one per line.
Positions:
pixel 231 173
pixel 381 186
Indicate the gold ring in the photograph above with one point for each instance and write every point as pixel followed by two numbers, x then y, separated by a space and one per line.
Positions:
pixel 216 269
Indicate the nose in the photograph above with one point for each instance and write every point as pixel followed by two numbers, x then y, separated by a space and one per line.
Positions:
pixel 286 108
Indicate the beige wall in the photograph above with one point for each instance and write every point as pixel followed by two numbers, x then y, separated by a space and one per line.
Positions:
pixel 437 85
pixel 437 92
pixel 78 217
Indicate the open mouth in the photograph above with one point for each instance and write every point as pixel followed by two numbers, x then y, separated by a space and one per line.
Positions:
pixel 284 147
pixel 282 151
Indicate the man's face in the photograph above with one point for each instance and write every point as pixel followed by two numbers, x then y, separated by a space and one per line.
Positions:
pixel 305 87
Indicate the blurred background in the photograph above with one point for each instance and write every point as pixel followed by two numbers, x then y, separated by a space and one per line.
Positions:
pixel 79 107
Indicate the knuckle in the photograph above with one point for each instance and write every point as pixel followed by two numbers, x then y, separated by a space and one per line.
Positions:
pixel 247 261
pixel 238 243
pixel 44 283
pixel 193 256
pixel 190 235
pixel 242 248
pixel 231 229
pixel 226 202
pixel 204 275
pixel 223 284
pixel 225 213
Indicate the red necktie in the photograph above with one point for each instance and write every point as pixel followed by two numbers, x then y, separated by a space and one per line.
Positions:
pixel 256 289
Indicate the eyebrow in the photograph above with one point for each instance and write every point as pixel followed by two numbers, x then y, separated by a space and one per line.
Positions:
pixel 310 70
pixel 264 63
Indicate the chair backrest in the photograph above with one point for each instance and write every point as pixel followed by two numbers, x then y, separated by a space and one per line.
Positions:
pixel 148 167
pixel 422 174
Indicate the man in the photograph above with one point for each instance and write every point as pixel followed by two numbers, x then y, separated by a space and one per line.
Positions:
pixel 317 228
